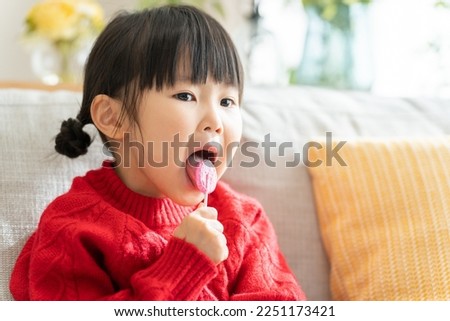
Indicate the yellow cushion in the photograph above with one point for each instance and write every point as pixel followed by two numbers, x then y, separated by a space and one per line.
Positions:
pixel 385 218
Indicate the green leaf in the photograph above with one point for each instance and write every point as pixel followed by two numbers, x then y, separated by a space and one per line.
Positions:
pixel 203 4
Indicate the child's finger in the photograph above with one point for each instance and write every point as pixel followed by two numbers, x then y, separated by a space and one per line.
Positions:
pixel 216 225
pixel 207 212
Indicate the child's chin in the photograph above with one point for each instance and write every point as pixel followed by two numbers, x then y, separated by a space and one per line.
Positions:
pixel 189 199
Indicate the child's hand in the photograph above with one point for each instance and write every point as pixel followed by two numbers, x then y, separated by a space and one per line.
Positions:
pixel 202 229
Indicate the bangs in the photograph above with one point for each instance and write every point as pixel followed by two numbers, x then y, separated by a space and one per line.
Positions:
pixel 190 45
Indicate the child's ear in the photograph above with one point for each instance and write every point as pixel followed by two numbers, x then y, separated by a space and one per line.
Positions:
pixel 105 113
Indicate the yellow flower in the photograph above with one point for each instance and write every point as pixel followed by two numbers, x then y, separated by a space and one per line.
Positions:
pixel 64 20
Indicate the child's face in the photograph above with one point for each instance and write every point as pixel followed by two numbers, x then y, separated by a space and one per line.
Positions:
pixel 174 123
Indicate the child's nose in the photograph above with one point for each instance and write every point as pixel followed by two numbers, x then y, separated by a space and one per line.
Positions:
pixel 212 121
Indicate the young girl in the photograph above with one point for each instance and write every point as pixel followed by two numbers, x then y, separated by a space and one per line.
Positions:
pixel 160 86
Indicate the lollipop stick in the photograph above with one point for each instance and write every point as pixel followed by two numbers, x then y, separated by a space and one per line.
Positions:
pixel 205 200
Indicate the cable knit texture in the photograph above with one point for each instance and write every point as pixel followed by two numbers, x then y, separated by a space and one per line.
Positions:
pixel 102 241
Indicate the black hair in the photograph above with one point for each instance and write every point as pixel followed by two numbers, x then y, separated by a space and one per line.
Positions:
pixel 146 50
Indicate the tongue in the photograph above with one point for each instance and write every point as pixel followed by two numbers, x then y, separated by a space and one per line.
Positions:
pixel 202 173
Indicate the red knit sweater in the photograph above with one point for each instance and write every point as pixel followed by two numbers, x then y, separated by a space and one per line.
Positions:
pixel 102 241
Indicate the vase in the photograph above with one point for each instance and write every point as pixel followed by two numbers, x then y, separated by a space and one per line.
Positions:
pixel 337 52
pixel 56 63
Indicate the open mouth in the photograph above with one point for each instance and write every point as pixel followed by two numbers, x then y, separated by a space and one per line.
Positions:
pixel 201 169
pixel 207 153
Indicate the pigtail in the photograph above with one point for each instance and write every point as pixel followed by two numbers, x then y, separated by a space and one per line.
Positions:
pixel 72 141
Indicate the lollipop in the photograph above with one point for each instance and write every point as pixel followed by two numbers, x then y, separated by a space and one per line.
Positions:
pixel 202 174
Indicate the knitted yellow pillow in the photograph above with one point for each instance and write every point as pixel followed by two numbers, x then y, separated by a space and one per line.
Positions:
pixel 385 218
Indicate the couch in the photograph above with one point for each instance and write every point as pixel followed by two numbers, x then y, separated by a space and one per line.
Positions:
pixel 376 227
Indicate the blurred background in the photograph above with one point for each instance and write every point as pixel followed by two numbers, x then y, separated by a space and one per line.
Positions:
pixel 388 47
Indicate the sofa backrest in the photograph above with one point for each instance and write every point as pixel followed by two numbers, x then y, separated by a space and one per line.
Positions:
pixel 293 116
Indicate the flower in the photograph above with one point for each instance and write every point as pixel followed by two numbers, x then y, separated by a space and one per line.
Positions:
pixel 59 32
pixel 64 20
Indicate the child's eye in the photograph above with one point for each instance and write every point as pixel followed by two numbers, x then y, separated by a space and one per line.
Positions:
pixel 184 96
pixel 226 102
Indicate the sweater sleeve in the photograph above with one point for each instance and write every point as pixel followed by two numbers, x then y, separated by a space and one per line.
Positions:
pixel 264 274
pixel 67 260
